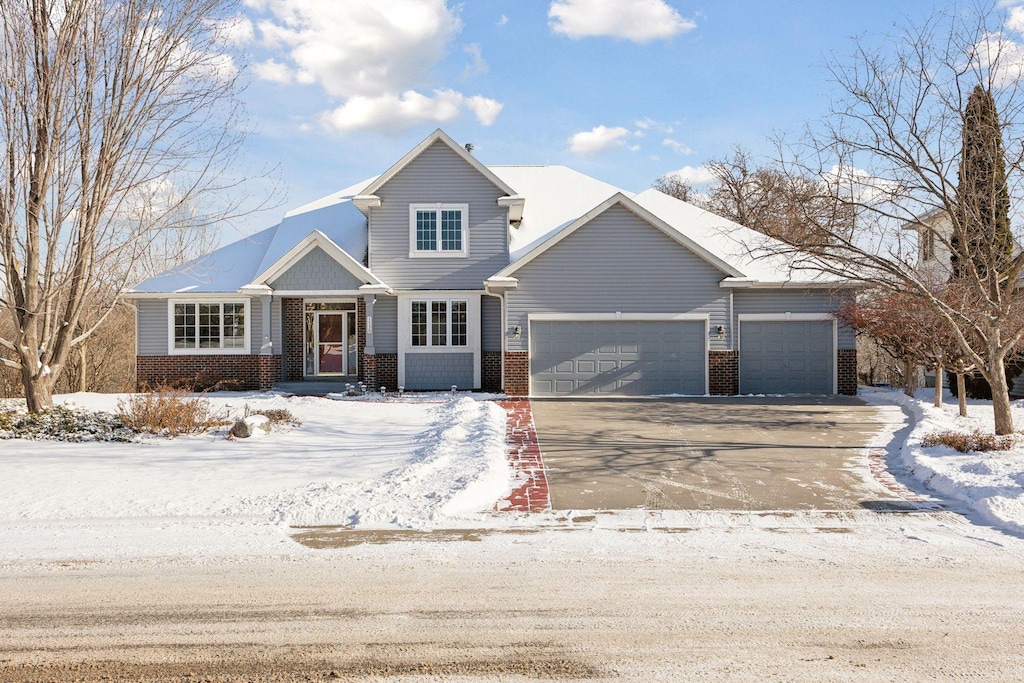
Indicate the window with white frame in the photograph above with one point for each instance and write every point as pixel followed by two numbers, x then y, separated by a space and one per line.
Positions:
pixel 927 245
pixel 440 323
pixel 208 326
pixel 438 230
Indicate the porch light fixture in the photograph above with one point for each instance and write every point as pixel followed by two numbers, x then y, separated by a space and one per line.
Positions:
pixel 720 331
pixel 517 332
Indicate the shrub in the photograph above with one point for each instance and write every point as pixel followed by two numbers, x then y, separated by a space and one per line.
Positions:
pixel 168 411
pixel 277 416
pixel 62 423
pixel 967 442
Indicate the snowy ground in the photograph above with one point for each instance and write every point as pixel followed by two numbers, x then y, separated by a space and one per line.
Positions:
pixel 405 464
pixel 991 484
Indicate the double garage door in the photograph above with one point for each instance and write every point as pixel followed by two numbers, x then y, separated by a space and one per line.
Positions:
pixel 647 357
pixel 617 357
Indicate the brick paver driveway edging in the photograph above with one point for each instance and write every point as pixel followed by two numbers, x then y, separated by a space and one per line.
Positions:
pixel 524 455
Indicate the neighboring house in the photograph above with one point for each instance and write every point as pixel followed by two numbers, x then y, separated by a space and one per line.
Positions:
pixel 534 280
pixel 934 230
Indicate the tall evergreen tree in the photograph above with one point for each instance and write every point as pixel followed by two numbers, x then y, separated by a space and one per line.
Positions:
pixel 981 236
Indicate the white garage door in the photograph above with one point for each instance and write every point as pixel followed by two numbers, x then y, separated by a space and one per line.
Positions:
pixel 625 358
pixel 786 357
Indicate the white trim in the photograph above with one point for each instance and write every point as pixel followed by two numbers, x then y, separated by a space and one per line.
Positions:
pixel 642 213
pixel 436 136
pixel 784 317
pixel 247 312
pixel 578 317
pixel 326 294
pixel 438 207
pixel 473 337
pixel 747 283
pixel 623 317
pixel 788 317
pixel 306 245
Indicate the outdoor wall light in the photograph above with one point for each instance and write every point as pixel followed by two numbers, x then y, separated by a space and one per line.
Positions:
pixel 517 332
pixel 720 330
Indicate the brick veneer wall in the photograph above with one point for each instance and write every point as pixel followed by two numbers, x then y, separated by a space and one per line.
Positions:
pixel 847 375
pixel 369 373
pixel 517 373
pixel 241 371
pixel 723 373
pixel 291 336
pixel 387 371
pixel 490 371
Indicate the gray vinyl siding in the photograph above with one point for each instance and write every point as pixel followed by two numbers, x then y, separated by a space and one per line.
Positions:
pixel 385 324
pixel 617 262
pixel 490 323
pixel 438 175
pixel 151 327
pixel 752 301
pixel 316 271
pixel 438 370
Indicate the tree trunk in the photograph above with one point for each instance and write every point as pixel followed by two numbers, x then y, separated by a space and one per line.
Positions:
pixel 961 394
pixel 909 377
pixel 938 386
pixel 38 393
pixel 1000 394
pixel 81 373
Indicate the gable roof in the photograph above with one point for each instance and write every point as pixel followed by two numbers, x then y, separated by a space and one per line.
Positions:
pixel 620 199
pixel 437 136
pixel 313 240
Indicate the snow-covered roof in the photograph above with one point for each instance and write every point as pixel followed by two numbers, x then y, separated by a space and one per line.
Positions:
pixel 555 196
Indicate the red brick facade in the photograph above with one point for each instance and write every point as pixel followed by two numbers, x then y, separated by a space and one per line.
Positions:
pixel 291 338
pixel 846 362
pixel 387 371
pixel 723 373
pixel 490 371
pixel 361 341
pixel 517 373
pixel 239 371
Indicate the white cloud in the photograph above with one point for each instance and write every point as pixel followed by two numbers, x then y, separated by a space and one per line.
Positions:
pixel 503 20
pixel 477 64
pixel 598 139
pixel 640 21
pixel 699 175
pixel 237 30
pixel 395 112
pixel 1015 20
pixel 271 70
pixel 677 146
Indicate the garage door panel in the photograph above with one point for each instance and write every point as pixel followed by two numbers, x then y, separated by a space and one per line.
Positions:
pixel 786 357
pixel 625 358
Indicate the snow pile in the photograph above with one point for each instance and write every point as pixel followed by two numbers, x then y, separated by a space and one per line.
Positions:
pixel 459 468
pixel 990 483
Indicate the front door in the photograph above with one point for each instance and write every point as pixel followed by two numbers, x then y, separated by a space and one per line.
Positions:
pixel 331 336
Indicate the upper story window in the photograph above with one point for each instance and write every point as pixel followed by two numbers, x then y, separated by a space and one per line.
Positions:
pixel 438 230
pixel 208 326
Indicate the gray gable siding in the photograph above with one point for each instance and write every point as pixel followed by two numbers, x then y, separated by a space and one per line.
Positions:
pixel 438 175
pixel 754 301
pixel 316 271
pixel 617 262
pixel 152 331
pixel 385 324
pixel 490 323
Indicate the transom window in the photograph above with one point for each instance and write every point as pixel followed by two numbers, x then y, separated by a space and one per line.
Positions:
pixel 438 230
pixel 209 326
pixel 440 323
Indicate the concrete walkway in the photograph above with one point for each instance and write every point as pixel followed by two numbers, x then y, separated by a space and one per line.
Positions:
pixel 730 453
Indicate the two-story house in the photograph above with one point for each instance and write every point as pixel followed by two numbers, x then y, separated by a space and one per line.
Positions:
pixel 532 280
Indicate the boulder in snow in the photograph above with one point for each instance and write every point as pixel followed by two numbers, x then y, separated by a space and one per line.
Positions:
pixel 253 425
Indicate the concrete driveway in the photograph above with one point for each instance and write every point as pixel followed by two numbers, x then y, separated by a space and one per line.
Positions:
pixel 730 453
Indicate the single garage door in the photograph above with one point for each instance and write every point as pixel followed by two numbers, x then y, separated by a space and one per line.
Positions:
pixel 786 357
pixel 626 358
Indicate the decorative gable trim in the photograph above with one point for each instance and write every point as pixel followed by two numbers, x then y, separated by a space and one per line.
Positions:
pixel 437 136
pixel 630 205
pixel 309 243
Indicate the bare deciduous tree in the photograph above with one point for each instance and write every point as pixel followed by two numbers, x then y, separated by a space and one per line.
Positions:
pixel 891 151
pixel 117 120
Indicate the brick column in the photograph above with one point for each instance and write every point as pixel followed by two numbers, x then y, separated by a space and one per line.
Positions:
pixel 517 373
pixel 846 382
pixel 723 373
pixel 490 371
pixel 291 339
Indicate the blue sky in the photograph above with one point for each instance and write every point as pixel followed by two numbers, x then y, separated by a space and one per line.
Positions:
pixel 624 90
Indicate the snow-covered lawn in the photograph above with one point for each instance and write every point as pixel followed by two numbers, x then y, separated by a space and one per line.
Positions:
pixel 990 483
pixel 406 464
